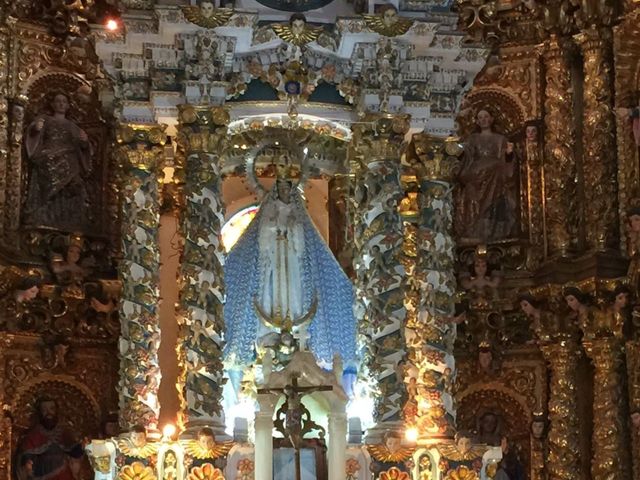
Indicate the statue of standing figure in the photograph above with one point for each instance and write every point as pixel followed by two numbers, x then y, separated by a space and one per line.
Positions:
pixel 49 450
pixel 487 200
pixel 279 275
pixel 59 155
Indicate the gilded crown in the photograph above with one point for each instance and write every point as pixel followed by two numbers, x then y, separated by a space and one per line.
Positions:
pixel 286 170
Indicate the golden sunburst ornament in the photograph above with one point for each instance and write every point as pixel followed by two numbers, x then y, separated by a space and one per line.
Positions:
pixel 205 472
pixel 462 473
pixel 394 473
pixel 136 471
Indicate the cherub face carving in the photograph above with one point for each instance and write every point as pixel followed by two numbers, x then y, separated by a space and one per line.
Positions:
pixel 297 26
pixel 389 17
pixel 206 9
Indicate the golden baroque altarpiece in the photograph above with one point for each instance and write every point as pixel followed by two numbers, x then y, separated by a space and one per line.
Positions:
pixel 511 243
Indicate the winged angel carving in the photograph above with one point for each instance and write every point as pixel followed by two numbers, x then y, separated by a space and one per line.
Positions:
pixel 206 448
pixel 383 453
pixel 297 32
pixel 388 23
pixel 206 15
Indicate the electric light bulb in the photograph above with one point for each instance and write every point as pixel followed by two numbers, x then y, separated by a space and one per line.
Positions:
pixel 168 431
pixel 411 434
pixel 112 25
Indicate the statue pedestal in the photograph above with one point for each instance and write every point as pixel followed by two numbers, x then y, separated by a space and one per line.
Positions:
pixel 264 435
pixel 309 376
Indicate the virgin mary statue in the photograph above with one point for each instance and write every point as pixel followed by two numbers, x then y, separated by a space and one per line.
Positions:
pixel 281 269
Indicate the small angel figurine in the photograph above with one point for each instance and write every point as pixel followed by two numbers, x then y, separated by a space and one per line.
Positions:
pixel 297 32
pixel 482 283
pixel 206 15
pixel 389 23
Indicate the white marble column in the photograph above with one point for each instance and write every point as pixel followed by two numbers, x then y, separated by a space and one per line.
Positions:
pixel 264 437
pixel 337 442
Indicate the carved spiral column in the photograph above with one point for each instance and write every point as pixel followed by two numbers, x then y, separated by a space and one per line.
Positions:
pixel 5 446
pixel 140 154
pixel 563 462
pixel 379 274
pixel 600 171
pixel 626 47
pixel 4 116
pixel 202 135
pixel 633 382
pixel 428 259
pixel 5 421
pixel 559 169
pixel 610 459
pixel 13 189
pixel 535 204
pixel 538 463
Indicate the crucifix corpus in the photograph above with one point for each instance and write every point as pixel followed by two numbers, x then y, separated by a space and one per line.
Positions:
pixel 293 419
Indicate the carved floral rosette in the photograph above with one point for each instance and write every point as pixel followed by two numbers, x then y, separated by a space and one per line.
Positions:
pixel 138 271
pixel 430 287
pixel 202 283
pixel 379 274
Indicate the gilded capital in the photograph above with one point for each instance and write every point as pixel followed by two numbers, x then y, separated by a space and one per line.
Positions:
pixel 202 129
pixel 380 137
pixel 603 350
pixel 593 38
pixel 140 146
pixel 434 158
pixel 151 135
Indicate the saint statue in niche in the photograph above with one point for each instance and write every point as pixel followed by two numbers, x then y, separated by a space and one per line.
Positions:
pixel 281 274
pixel 487 200
pixel 281 259
pixel 49 450
pixel 59 161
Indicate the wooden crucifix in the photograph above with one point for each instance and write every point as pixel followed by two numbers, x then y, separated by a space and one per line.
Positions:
pixel 293 419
